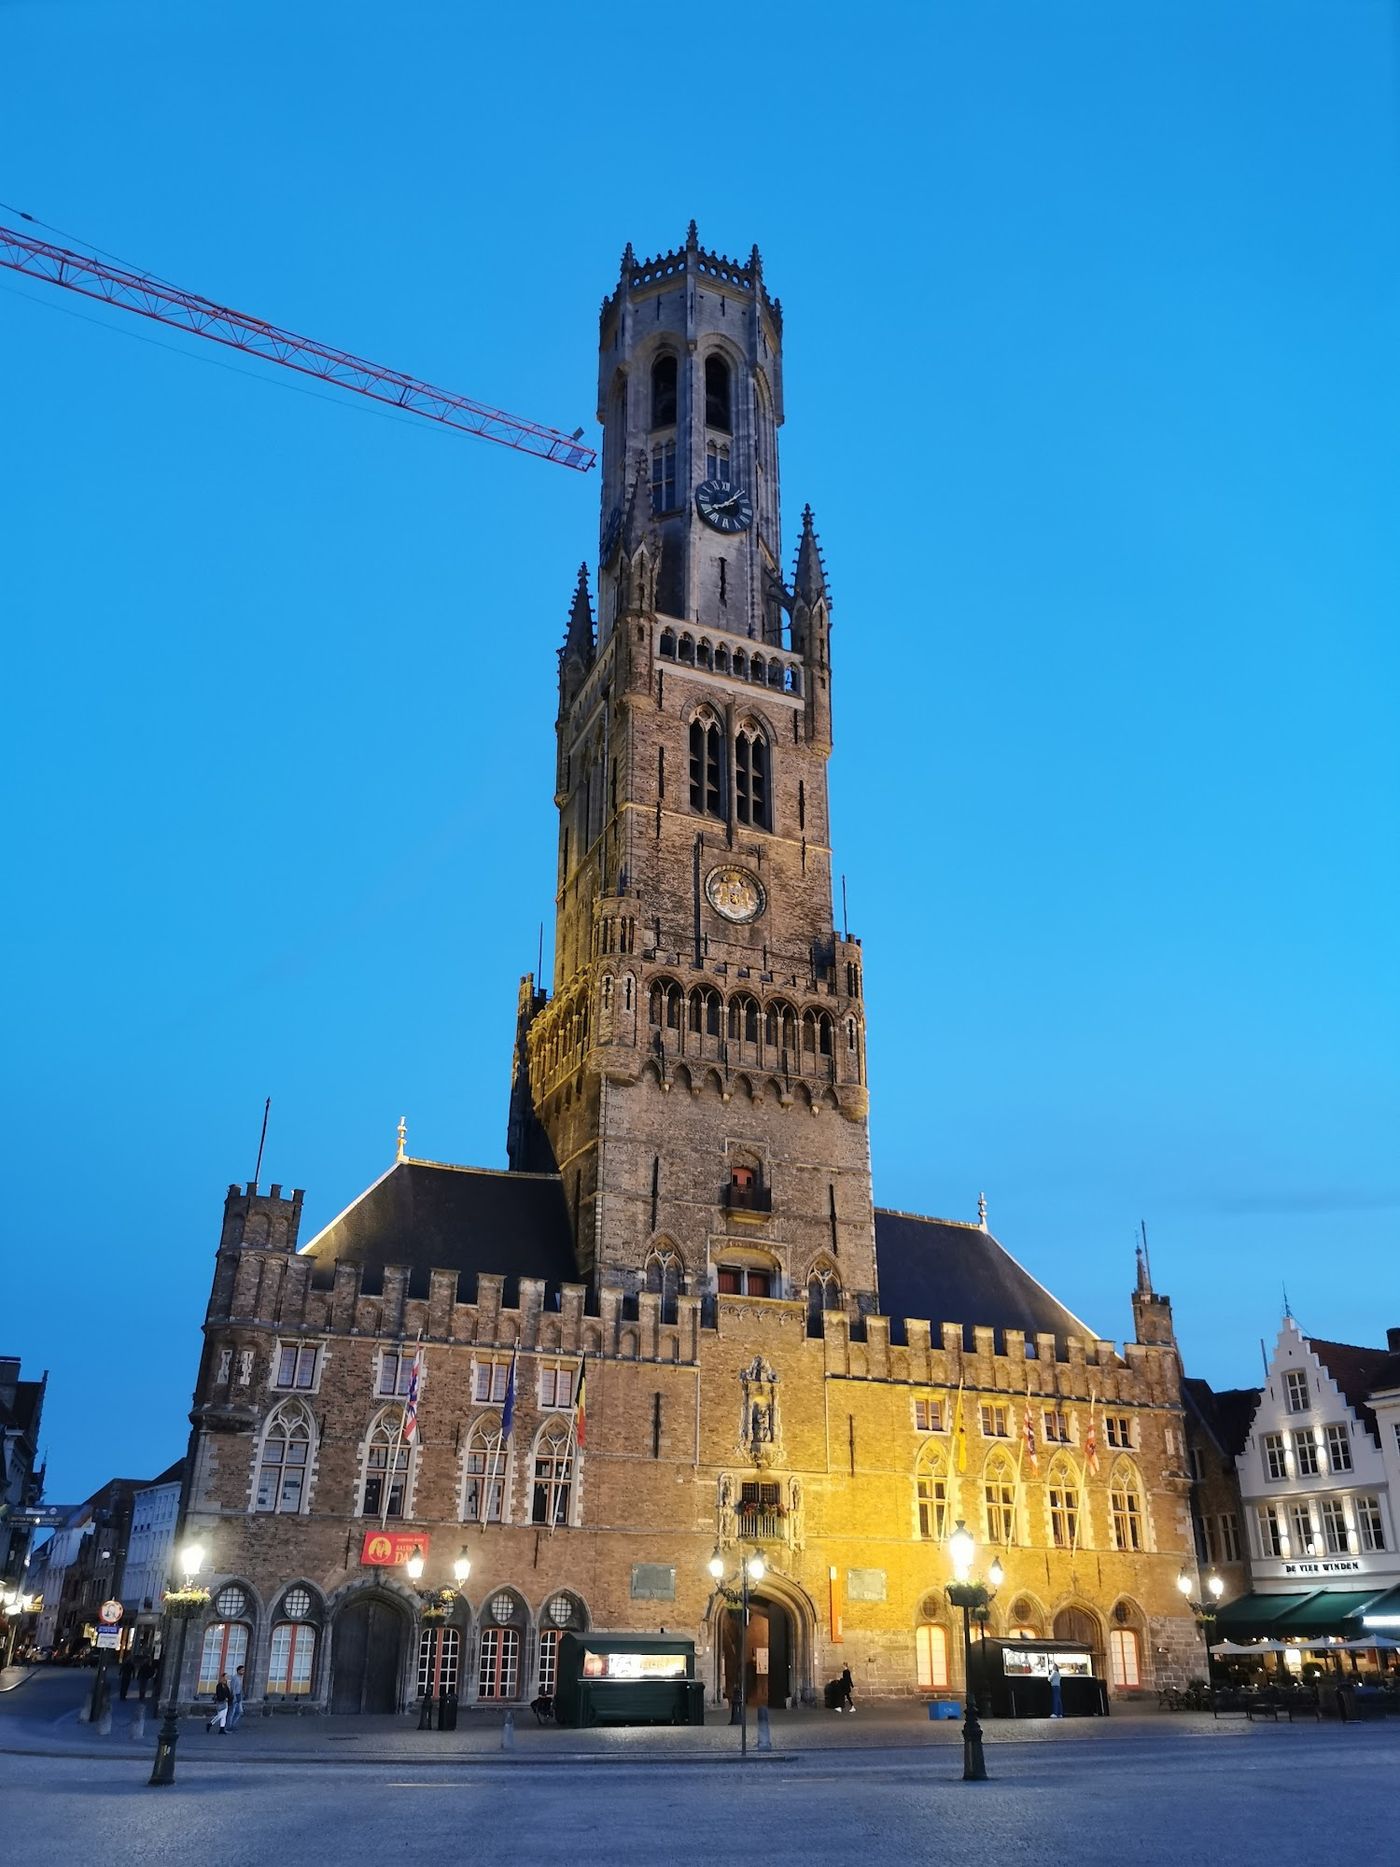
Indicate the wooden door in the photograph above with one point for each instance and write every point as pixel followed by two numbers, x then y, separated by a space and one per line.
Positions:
pixel 366 1658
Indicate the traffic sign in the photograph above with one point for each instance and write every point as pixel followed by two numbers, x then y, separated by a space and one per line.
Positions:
pixel 108 1637
pixel 110 1613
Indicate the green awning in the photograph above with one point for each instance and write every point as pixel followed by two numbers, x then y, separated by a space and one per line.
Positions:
pixel 1254 1616
pixel 1328 1611
pixel 1382 1615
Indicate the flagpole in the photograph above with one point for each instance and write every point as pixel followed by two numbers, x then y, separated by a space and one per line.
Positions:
pixel 398 1437
pixel 507 1427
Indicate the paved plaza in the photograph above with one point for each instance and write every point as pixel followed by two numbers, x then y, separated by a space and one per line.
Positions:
pixel 878 1788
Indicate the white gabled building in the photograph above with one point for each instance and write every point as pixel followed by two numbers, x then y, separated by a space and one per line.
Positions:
pixel 1319 1480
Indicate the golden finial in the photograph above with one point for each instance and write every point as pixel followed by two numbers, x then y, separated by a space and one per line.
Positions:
pixel 403 1136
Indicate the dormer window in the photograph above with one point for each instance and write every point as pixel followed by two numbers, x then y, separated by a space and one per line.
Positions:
pixel 663 392
pixel 717 394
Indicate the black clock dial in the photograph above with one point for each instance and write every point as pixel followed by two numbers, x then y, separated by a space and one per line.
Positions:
pixel 723 505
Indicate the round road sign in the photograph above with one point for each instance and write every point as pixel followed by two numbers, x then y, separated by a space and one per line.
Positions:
pixel 110 1613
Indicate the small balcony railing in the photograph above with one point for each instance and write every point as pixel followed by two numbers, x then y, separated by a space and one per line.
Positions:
pixel 735 1198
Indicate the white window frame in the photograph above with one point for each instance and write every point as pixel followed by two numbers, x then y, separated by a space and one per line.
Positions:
pixel 931 1656
pixel 1307 1461
pixel 1339 1441
pixel 1370 1522
pixel 1273 1531
pixel 928 1415
pixel 402 1360
pixel 1333 1523
pixel 490 1374
pixel 548 1387
pixel 1118 1431
pixel 996 1420
pixel 298 1352
pixel 1273 1455
pixel 1296 1395
pixel 1125 1657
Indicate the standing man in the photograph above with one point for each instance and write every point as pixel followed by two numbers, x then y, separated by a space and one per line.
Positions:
pixel 1057 1704
pixel 235 1710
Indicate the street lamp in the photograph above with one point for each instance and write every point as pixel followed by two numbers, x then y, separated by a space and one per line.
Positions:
pixel 751 1569
pixel 971 1597
pixel 462 1568
pixel 181 1606
pixel 414 1564
pixel 1204 1611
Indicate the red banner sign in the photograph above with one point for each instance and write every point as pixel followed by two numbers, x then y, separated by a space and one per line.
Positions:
pixel 384 1549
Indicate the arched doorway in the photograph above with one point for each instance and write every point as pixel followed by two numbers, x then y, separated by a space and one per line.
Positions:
pixel 367 1652
pixel 1080 1625
pixel 769 1653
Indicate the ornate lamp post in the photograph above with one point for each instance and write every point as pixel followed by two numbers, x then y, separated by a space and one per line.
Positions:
pixel 1204 1611
pixel 437 1604
pixel 751 1569
pixel 182 1605
pixel 972 1597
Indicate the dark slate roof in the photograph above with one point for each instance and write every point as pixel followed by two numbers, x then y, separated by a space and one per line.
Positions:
pixel 1227 1416
pixel 22 1415
pixel 1359 1372
pixel 937 1271
pixel 464 1219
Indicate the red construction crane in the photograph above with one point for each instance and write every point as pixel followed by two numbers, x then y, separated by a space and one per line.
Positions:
pixel 187 311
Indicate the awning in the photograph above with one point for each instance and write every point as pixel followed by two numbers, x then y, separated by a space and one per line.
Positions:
pixel 1255 1615
pixel 1328 1611
pixel 1384 1611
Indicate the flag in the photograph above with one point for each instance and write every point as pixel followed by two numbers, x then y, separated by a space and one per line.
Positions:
pixel 410 1405
pixel 580 1413
pixel 1091 1443
pixel 1030 1437
pixel 960 1434
pixel 508 1410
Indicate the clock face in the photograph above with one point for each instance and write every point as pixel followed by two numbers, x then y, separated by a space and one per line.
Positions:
pixel 735 893
pixel 723 505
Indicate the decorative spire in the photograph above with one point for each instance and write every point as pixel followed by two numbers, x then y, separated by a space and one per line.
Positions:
pixel 982 1210
pixel 809 580
pixel 629 258
pixel 578 643
pixel 403 1137
pixel 756 262
pixel 636 522
pixel 692 237
pixel 1287 1306
pixel 1144 1276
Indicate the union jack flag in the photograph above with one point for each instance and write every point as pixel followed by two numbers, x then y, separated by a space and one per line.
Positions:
pixel 410 1405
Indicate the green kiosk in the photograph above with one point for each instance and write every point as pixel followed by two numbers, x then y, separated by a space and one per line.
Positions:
pixel 627 1679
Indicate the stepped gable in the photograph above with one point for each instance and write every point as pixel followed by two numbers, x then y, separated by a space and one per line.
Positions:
pixel 427 1216
pixel 1359 1372
pixel 937 1271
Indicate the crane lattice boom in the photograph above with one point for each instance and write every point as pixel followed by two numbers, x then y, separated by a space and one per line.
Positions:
pixel 187 311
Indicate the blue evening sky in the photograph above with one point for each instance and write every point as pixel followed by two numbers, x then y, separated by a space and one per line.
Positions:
pixel 1091 373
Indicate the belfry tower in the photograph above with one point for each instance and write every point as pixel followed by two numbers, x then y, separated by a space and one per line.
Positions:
pixel 699 1065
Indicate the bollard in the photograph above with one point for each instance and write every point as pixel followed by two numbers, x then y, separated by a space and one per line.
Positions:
pixel 765 1736
pixel 138 1722
pixel 508 1732
pixel 104 1720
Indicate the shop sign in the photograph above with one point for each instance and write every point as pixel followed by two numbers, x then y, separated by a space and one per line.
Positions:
pixel 385 1549
pixel 1332 1565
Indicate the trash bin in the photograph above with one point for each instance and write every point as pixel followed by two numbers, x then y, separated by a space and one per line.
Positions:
pixel 447 1712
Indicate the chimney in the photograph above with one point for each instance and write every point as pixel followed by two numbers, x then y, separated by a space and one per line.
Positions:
pixel 1392 1341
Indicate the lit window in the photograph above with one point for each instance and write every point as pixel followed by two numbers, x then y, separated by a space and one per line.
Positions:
pixel 225 1648
pixel 999 1498
pixel 1369 1523
pixel 1275 1456
pixel 292 1659
pixel 1123 1656
pixel 1295 1390
pixel 1064 1511
pixel 439 1659
pixel 1339 1448
pixel 931 1656
pixel 549 1661
pixel 285 1460
pixel 1305 1455
pixel 296 1366
pixel 1302 1530
pixel 1125 1509
pixel 498 1668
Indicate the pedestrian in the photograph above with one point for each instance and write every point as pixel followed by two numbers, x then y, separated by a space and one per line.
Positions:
pixel 235 1709
pixel 124 1673
pixel 848 1686
pixel 223 1697
pixel 1057 1704
pixel 145 1675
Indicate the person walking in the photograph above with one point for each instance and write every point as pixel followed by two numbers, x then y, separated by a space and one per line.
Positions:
pixel 223 1697
pixel 124 1673
pixel 235 1709
pixel 1057 1703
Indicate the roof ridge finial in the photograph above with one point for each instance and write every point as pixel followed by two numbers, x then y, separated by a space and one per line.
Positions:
pixel 402 1137
pixel 692 237
pixel 982 1211
pixel 1287 1307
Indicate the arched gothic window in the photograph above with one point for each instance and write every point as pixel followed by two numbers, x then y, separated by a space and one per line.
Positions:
pixel 823 1293
pixel 387 1461
pixel 552 1482
pixel 931 1497
pixel 999 1499
pixel 1062 1501
pixel 751 802
pixel 717 404
pixel 1125 1507
pixel 663 391
pixel 663 1275
pixel 484 1474
pixel 284 1464
pixel 706 765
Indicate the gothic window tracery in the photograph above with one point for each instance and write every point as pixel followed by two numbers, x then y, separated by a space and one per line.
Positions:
pixel 706 765
pixel 663 391
pixel 751 776
pixel 717 394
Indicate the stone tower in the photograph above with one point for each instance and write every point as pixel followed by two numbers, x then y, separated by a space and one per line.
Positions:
pixel 699 1066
